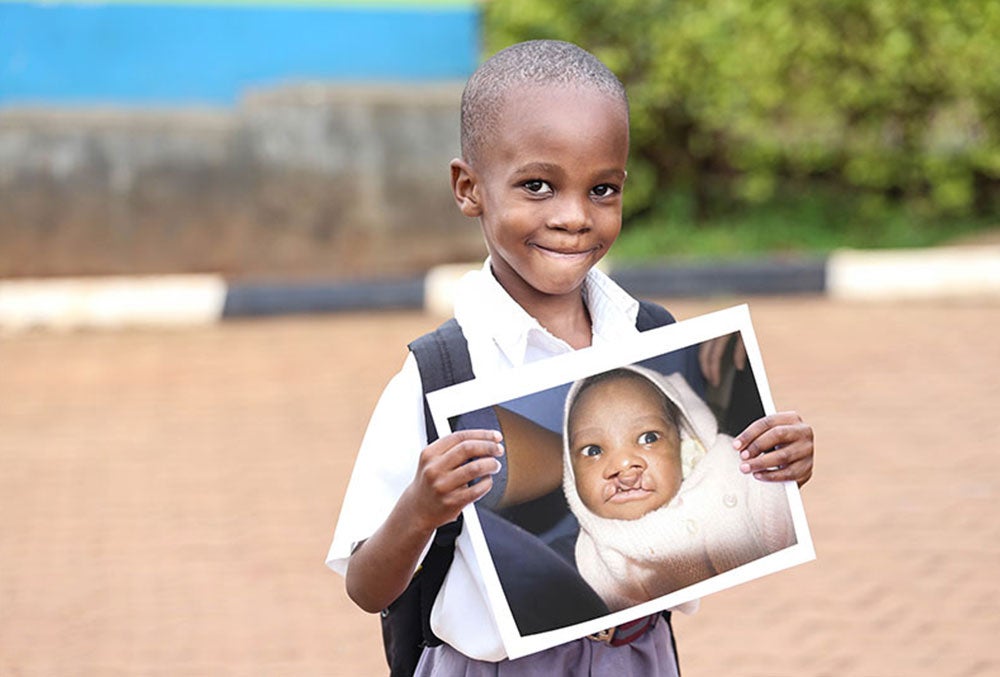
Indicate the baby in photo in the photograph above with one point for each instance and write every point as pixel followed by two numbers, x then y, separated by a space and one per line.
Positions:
pixel 657 489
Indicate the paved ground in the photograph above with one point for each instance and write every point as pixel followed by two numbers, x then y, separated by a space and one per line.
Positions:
pixel 167 498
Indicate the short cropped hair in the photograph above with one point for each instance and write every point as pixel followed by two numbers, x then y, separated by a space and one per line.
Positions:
pixel 535 62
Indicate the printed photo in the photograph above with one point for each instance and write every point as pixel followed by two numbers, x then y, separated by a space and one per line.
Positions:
pixel 620 493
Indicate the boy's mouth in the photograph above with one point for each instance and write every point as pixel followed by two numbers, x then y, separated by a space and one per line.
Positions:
pixel 566 254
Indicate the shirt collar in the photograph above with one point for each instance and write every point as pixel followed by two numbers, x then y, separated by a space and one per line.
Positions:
pixel 613 311
pixel 484 305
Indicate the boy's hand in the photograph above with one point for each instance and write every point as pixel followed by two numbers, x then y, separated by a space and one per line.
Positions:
pixel 777 448
pixel 382 566
pixel 441 487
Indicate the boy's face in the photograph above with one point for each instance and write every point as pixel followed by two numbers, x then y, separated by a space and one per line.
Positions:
pixel 547 187
pixel 624 448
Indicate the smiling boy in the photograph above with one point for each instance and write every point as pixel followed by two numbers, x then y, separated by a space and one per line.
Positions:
pixel 544 148
pixel 547 187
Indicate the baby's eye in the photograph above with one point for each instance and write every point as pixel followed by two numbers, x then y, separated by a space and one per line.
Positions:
pixel 604 190
pixel 537 186
pixel 649 437
pixel 591 450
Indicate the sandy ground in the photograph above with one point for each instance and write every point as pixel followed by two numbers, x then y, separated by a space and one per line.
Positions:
pixel 167 497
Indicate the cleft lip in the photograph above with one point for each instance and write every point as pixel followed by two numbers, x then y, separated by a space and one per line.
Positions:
pixel 623 495
pixel 619 491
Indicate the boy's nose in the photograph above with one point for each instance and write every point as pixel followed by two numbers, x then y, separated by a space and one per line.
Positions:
pixel 571 215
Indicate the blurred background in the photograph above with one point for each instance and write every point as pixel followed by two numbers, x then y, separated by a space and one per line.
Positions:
pixel 266 139
pixel 270 138
pixel 794 125
pixel 167 495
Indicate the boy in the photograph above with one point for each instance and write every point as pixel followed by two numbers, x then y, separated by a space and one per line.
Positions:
pixel 657 489
pixel 544 147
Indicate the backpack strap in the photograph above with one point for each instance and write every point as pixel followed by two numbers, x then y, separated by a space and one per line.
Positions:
pixel 652 315
pixel 443 360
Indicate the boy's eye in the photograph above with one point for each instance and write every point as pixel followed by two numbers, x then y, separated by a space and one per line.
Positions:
pixel 537 186
pixel 604 190
pixel 649 437
pixel 591 450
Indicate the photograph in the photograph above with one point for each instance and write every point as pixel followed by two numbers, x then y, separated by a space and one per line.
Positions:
pixel 620 493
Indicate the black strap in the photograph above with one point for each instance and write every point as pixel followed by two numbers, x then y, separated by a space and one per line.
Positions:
pixel 652 315
pixel 443 360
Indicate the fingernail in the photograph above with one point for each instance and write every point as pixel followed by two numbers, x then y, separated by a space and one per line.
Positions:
pixel 745 455
pixel 498 468
pixel 736 443
pixel 744 467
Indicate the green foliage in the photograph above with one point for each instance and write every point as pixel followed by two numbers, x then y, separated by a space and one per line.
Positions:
pixel 737 103
pixel 802 218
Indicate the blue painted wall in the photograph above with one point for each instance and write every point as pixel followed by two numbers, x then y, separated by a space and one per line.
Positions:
pixel 182 54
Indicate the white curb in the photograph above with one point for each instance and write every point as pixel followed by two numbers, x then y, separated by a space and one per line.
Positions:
pixel 944 272
pixel 172 300
pixel 185 300
pixel 440 285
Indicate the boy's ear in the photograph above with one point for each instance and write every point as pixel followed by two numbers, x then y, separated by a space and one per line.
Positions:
pixel 465 188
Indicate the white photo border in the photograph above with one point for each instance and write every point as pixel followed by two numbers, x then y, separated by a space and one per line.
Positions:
pixel 536 377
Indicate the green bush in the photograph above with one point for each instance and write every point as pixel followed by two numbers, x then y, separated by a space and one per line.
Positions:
pixel 737 104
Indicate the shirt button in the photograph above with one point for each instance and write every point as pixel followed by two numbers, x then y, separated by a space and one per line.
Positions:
pixel 692 526
pixel 729 500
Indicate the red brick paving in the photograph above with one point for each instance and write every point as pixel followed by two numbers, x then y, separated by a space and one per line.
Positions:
pixel 167 497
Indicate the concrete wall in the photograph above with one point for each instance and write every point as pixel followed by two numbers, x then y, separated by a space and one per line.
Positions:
pixel 307 180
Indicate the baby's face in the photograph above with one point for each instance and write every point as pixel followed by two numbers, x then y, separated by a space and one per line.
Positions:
pixel 624 448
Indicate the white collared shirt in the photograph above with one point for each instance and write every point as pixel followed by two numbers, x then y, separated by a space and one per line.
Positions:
pixel 500 335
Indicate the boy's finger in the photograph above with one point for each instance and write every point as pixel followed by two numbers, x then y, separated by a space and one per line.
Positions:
pixel 464 442
pixel 799 472
pixel 456 500
pixel 476 491
pixel 791 463
pixel 765 433
pixel 475 470
pixel 776 458
pixel 459 477
pixel 776 474
pixel 468 450
pixel 758 427
pixel 457 437
pixel 784 437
